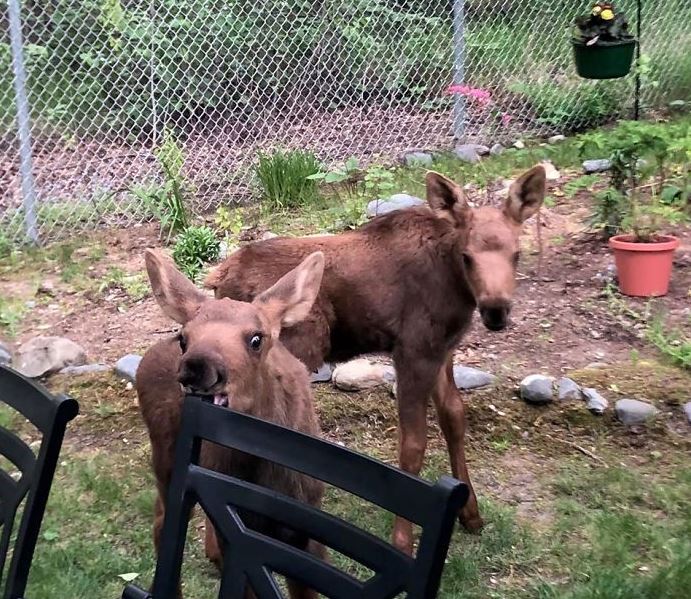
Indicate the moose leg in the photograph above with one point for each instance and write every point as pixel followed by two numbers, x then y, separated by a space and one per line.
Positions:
pixel 416 377
pixel 211 546
pixel 451 414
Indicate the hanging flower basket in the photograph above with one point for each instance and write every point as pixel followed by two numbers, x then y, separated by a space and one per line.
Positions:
pixel 603 48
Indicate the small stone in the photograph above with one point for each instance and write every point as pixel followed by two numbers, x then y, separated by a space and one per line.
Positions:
pixel 555 139
pixel 594 401
pixel 633 411
pixel 687 411
pixel 46 288
pixel 519 144
pixel 467 153
pixel 568 390
pixel 496 150
pixel 43 355
pixel 5 354
pixel 322 374
pixel 537 389
pixel 471 378
pixel 418 159
pixel 597 366
pixel 550 170
pixel 398 201
pixel 222 250
pixel 268 235
pixel 84 369
pixel 596 166
pixel 127 366
pixel 360 374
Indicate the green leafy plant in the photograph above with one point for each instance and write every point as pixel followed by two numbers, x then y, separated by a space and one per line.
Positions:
pixel 228 221
pixel 136 285
pixel 379 181
pixel 167 202
pixel 602 25
pixel 195 247
pixel 284 178
pixel 672 343
pixel 638 151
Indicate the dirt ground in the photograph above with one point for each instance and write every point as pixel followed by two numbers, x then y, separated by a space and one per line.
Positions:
pixel 562 319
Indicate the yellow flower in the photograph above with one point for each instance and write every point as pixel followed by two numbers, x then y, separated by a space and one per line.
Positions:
pixel 597 9
pixel 607 14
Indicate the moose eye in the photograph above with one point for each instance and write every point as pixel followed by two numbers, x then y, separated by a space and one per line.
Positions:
pixel 183 343
pixel 256 342
pixel 467 261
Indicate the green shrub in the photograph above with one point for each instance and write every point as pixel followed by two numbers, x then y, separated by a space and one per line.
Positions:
pixel 285 178
pixel 167 201
pixel 195 247
pixel 570 107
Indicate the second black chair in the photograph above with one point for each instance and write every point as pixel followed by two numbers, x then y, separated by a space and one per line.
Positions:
pixel 252 559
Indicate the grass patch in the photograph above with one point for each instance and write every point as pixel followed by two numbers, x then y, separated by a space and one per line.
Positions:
pixel 283 179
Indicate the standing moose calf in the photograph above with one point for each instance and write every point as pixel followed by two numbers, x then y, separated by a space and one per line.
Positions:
pixel 231 350
pixel 406 283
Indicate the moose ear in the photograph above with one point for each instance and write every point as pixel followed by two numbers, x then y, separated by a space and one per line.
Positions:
pixel 290 299
pixel 444 196
pixel 175 293
pixel 526 195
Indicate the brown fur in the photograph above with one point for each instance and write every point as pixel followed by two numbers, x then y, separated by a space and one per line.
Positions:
pixel 269 383
pixel 406 283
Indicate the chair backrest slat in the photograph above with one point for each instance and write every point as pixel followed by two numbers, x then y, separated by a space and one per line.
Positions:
pixel 393 490
pixel 357 544
pixel 50 415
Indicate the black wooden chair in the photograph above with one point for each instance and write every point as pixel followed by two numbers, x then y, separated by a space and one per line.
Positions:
pixel 253 558
pixel 31 475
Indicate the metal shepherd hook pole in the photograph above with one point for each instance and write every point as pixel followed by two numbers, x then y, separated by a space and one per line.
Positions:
pixel 23 121
pixel 637 93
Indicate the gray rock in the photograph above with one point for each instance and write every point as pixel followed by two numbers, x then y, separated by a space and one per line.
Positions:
pixel 568 390
pixel 537 389
pixel 43 355
pixel 397 201
pixel 632 411
pixel 687 411
pixel 127 366
pixel 519 144
pixel 418 159
pixel 268 235
pixel 85 369
pixel 594 401
pixel 5 354
pixel 496 149
pixel 555 139
pixel 322 374
pixel 46 288
pixel 467 153
pixel 596 166
pixel 551 171
pixel 360 374
pixel 471 378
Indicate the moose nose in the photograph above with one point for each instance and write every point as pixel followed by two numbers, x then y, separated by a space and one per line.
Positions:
pixel 202 374
pixel 495 316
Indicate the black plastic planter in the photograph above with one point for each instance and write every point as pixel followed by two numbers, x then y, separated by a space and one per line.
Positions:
pixel 609 60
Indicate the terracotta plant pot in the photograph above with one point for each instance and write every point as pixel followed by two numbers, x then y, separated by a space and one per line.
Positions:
pixel 643 269
pixel 608 60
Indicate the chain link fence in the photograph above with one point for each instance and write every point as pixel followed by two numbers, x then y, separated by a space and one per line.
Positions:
pixel 106 80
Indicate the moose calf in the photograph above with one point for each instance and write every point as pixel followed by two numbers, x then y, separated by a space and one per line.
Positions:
pixel 231 350
pixel 406 283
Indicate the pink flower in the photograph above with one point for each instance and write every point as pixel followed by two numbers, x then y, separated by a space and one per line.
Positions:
pixel 506 118
pixel 482 96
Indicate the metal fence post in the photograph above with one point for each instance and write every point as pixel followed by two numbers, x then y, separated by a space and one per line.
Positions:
pixel 23 121
pixel 458 67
